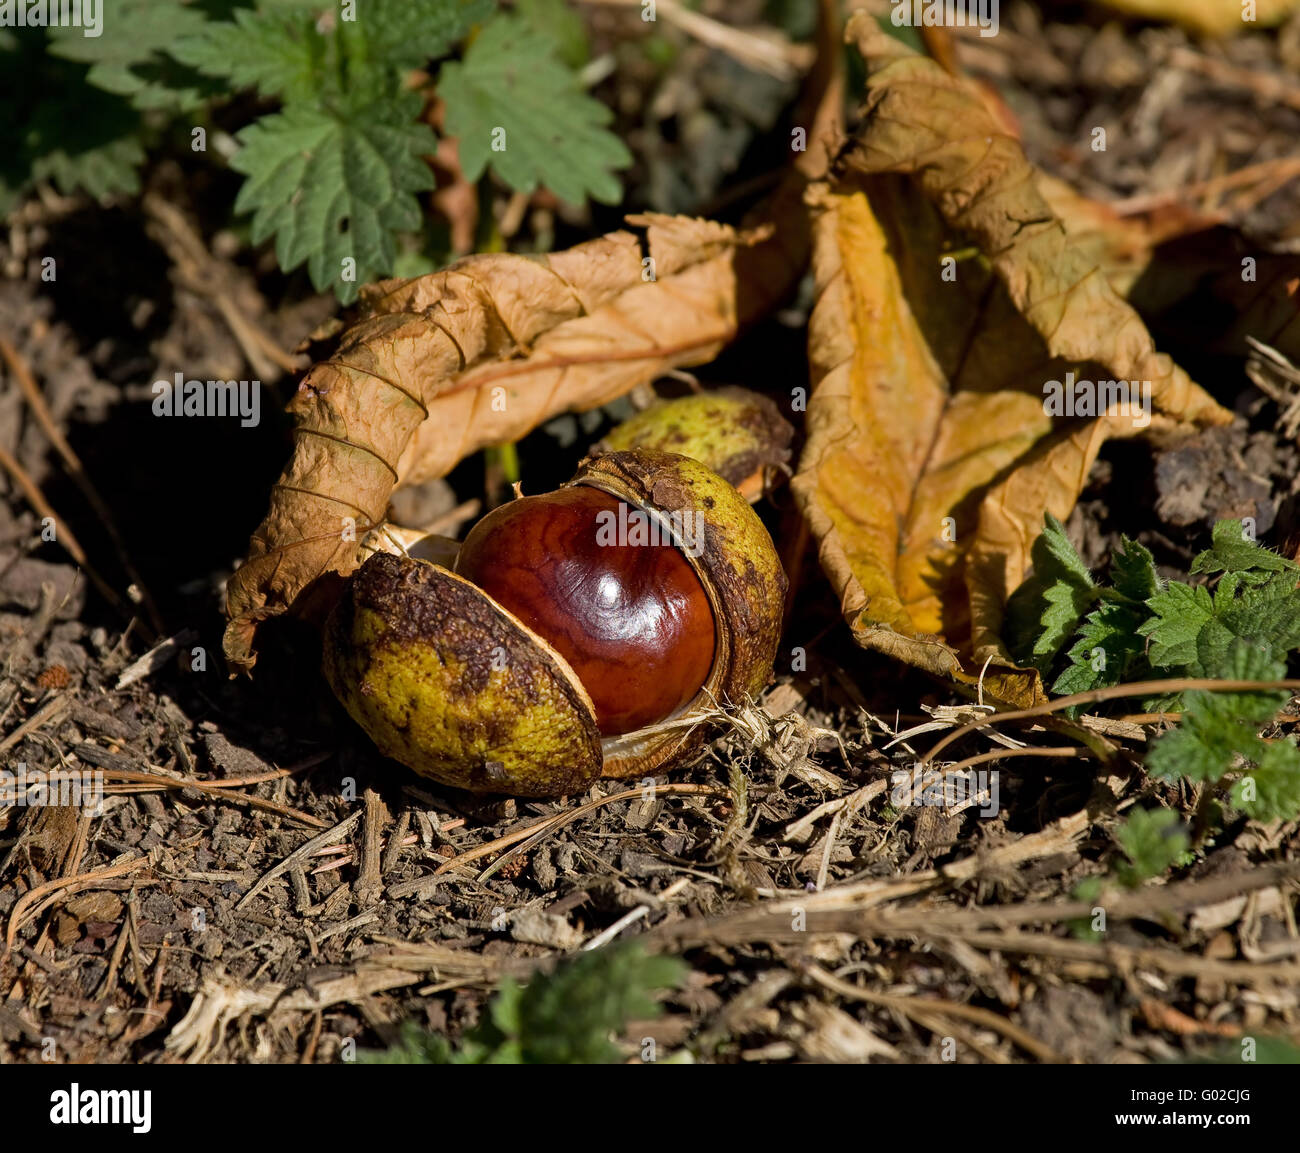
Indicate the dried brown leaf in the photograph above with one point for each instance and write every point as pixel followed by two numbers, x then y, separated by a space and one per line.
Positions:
pixel 930 457
pixel 1121 245
pixel 438 366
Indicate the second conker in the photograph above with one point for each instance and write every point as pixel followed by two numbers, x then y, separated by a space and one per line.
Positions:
pixel 626 610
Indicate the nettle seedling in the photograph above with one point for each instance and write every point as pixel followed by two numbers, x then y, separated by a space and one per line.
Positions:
pixel 1241 625
pixel 563 1017
pixel 1152 841
pixel 333 173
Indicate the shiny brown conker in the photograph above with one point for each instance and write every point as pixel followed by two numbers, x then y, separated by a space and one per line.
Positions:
pixel 632 619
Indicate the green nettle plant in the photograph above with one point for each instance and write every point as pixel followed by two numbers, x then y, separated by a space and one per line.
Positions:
pixel 333 164
pixel 1083 635
pixel 1152 841
pixel 565 1017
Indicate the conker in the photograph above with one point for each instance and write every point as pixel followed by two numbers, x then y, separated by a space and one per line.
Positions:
pixel 632 619
pixel 553 655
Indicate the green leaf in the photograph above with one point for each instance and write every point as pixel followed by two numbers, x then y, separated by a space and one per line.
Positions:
pixel 512 102
pixel 280 53
pixel 1243 631
pixel 1201 748
pixel 1191 631
pixel 130 56
pixel 566 1017
pixel 1262 1051
pixel 415 1046
pixel 100 170
pixel 1108 647
pixel 1044 612
pixel 409 33
pixel 1232 551
pixel 1179 612
pixel 58 128
pixel 506 1010
pixel 1272 790
pixel 1133 571
pixel 334 187
pixel 1219 731
pixel 1267 613
pixel 292 51
pixel 561 24
pixel 1153 840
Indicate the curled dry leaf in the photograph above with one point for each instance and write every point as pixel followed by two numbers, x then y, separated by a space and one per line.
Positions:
pixel 931 457
pixel 438 366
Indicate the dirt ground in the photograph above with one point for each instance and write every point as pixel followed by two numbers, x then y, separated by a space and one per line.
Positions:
pixel 262 886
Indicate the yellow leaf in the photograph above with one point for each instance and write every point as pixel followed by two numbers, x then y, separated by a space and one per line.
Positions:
pixel 931 456
pixel 1210 17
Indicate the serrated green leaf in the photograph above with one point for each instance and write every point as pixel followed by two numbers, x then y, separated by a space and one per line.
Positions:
pixel 1179 612
pixel 108 169
pixel 1191 631
pixel 1243 631
pixel 1201 748
pixel 130 56
pixel 1110 649
pixel 512 103
pixel 1271 791
pixel 568 1016
pixel 1268 613
pixel 335 187
pixel 1153 840
pixel 290 51
pixel 1044 612
pixel 564 1017
pixel 1218 731
pixel 415 1046
pixel 1213 646
pixel 1133 571
pixel 408 33
pixel 1232 551
pixel 280 53
pixel 58 128
pixel 1104 654
pixel 1251 660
